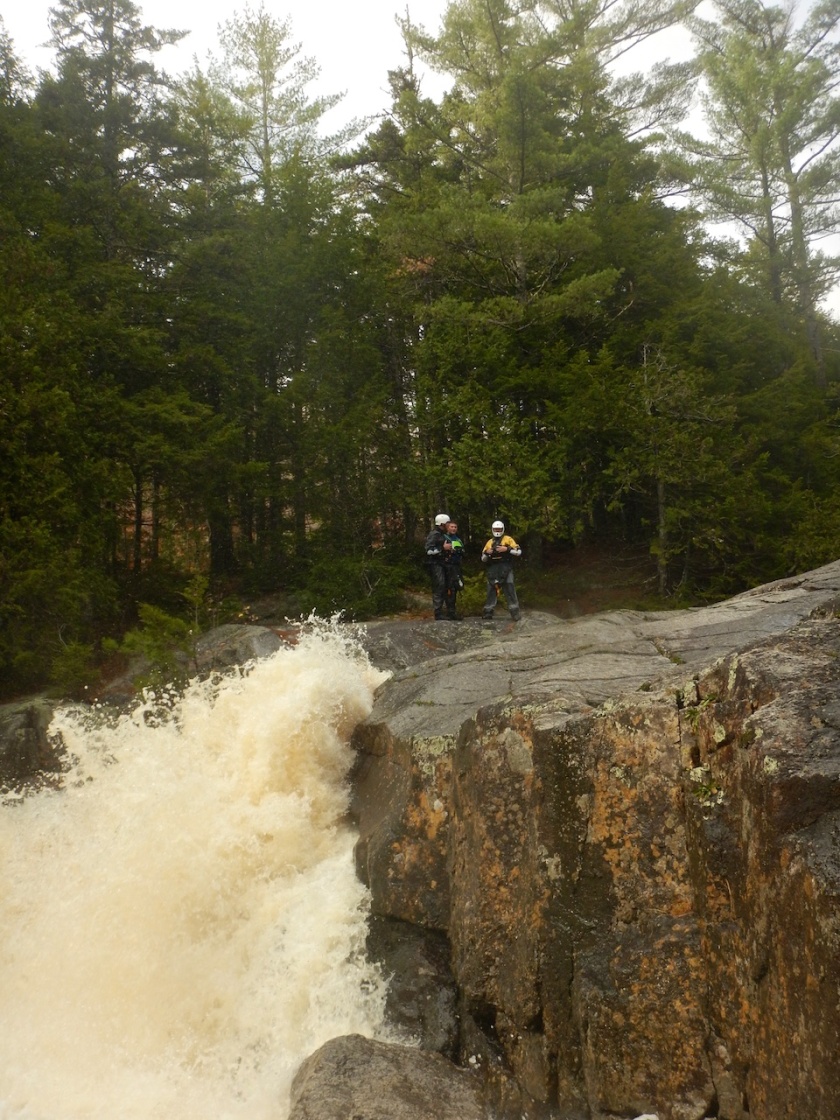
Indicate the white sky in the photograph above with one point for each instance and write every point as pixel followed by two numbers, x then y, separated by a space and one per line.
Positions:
pixel 355 44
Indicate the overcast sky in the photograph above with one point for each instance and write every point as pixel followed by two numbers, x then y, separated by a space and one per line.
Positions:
pixel 355 44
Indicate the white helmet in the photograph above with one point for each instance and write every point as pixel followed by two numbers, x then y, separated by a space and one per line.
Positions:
pixel 441 519
pixel 498 527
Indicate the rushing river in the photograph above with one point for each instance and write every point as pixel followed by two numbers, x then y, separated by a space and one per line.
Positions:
pixel 180 923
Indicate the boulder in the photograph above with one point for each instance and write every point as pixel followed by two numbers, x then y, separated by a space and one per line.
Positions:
pixel 26 747
pixel 217 650
pixel 233 644
pixel 360 1078
pixel 628 825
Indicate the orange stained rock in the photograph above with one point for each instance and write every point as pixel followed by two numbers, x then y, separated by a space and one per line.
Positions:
pixel 425 818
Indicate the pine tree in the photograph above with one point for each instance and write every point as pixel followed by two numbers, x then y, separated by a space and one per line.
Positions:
pixel 496 207
pixel 773 159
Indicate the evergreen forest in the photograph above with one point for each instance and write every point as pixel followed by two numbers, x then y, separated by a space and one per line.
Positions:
pixel 583 290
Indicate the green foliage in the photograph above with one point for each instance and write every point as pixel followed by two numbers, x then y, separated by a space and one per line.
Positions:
pixel 47 597
pixel 815 539
pixel 266 78
pixel 357 587
pixel 74 671
pixel 165 642
pixel 471 599
pixel 195 594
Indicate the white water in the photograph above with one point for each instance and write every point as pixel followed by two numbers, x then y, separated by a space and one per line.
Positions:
pixel 181 924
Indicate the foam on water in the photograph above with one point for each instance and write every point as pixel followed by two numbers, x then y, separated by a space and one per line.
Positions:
pixel 180 924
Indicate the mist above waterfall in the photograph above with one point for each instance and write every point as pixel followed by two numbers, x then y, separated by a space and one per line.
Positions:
pixel 181 922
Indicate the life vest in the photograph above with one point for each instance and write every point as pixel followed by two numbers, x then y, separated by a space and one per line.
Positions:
pixel 457 549
pixel 495 558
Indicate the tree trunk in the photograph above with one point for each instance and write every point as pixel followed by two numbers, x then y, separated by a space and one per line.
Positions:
pixel 220 527
pixel 662 553
pixel 138 524
pixel 154 544
pixel 773 262
pixel 804 286
pixel 534 549
pixel 298 468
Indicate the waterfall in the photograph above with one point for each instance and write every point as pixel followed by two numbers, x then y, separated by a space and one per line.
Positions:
pixel 180 922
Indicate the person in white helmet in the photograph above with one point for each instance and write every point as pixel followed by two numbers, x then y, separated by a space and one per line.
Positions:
pixel 498 555
pixel 437 549
pixel 452 567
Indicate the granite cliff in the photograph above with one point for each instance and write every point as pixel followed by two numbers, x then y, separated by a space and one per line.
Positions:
pixel 627 826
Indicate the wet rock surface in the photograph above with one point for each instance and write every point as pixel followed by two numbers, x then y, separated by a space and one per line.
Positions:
pixel 233 644
pixel 26 747
pixel 355 1078
pixel 628 826
pixel 422 1000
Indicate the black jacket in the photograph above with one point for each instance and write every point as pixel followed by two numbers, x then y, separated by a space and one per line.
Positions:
pixel 434 547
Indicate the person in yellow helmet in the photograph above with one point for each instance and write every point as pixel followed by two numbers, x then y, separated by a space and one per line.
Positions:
pixel 498 555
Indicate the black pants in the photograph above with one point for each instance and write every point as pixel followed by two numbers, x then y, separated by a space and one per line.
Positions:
pixel 453 586
pixel 438 576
